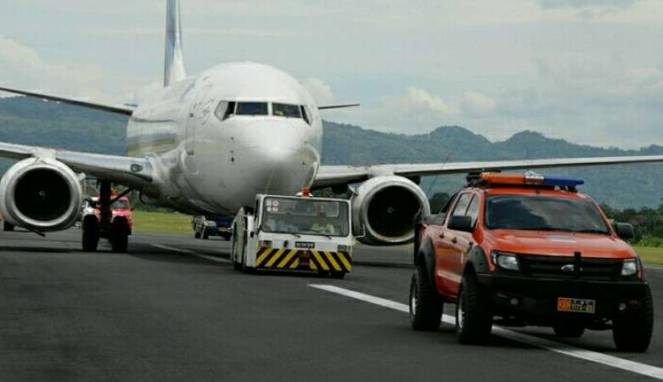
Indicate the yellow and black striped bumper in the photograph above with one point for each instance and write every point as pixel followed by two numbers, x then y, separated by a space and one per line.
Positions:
pixel 303 259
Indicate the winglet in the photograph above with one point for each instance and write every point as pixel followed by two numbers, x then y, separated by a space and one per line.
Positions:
pixel 174 61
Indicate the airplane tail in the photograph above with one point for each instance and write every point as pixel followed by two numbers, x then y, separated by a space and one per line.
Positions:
pixel 174 62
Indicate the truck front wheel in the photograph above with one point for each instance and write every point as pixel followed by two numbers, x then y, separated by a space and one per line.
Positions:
pixel 425 303
pixel 632 332
pixel 474 319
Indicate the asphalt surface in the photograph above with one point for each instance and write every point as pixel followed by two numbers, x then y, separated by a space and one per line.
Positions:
pixel 163 312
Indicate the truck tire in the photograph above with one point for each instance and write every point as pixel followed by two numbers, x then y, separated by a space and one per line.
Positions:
pixel 7 227
pixel 196 234
pixel 425 303
pixel 474 319
pixel 632 332
pixel 90 234
pixel 569 330
pixel 119 236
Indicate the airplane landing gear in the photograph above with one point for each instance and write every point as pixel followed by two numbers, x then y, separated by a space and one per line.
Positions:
pixel 90 236
pixel 94 227
pixel 119 235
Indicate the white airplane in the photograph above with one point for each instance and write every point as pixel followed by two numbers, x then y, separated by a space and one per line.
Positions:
pixel 208 144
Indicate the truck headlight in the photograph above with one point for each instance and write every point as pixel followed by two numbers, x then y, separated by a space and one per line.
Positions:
pixel 506 261
pixel 344 248
pixel 629 267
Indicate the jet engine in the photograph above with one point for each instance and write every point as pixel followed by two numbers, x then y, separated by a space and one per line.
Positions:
pixel 384 209
pixel 41 195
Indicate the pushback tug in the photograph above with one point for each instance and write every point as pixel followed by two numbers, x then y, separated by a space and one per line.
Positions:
pixel 294 233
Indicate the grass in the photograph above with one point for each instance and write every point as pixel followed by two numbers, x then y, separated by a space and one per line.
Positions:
pixel 650 255
pixel 162 222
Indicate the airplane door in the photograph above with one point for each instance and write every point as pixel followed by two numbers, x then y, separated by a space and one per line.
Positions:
pixel 200 112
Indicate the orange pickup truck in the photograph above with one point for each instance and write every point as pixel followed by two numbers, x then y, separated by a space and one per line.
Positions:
pixel 521 250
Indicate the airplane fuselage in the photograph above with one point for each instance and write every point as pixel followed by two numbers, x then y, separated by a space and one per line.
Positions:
pixel 222 137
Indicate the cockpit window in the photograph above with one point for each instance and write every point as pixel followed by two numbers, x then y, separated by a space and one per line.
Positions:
pixel 286 110
pixel 305 115
pixel 251 108
pixel 225 110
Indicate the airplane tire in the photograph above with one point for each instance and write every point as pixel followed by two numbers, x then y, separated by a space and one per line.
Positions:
pixel 8 227
pixel 90 234
pixel 119 236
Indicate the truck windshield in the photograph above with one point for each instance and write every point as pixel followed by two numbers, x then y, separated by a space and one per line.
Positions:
pixel 305 217
pixel 543 213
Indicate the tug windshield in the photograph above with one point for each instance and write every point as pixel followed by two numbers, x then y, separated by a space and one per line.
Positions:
pixel 301 216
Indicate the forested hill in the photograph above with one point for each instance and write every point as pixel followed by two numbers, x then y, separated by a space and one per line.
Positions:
pixel 30 121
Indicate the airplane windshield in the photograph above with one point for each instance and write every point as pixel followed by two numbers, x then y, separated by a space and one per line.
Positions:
pixel 286 110
pixel 251 108
pixel 305 217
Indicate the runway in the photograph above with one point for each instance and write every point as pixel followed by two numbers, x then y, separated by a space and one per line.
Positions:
pixel 174 309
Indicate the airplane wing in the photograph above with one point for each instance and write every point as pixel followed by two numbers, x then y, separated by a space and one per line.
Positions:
pixel 132 172
pixel 124 110
pixel 338 175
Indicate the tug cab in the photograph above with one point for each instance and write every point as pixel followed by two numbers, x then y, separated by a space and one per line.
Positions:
pixel 294 233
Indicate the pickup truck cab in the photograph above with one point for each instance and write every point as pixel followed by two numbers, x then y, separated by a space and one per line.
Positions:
pixel 529 250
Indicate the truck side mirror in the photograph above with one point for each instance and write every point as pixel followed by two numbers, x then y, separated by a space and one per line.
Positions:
pixel 461 223
pixel 625 231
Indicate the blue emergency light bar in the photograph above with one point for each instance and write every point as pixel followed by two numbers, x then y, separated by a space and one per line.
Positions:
pixel 562 181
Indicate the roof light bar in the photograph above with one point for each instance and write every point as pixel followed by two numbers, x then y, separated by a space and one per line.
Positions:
pixel 529 178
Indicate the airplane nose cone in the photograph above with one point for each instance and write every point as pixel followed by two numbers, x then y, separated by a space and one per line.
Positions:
pixel 281 158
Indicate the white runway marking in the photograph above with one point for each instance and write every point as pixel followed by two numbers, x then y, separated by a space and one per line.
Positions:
pixel 192 253
pixel 587 355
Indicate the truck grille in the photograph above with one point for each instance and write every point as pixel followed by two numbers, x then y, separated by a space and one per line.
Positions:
pixel 551 267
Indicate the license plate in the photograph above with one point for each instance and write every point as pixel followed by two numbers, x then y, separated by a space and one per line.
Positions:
pixel 304 244
pixel 577 305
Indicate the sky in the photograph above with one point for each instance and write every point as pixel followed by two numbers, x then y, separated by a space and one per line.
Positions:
pixel 589 71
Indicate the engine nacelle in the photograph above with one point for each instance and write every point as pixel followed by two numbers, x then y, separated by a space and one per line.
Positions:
pixel 41 194
pixel 384 209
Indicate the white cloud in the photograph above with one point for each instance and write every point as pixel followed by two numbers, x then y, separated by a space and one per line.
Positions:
pixel 25 68
pixel 319 90
pixel 477 103
pixel 588 3
pixel 417 100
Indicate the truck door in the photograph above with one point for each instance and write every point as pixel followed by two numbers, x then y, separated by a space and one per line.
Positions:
pixel 445 247
pixel 460 247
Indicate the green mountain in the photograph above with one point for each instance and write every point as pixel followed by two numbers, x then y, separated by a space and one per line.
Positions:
pixel 34 122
